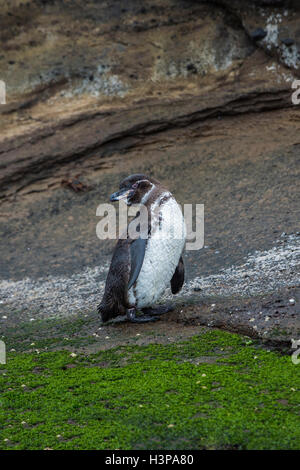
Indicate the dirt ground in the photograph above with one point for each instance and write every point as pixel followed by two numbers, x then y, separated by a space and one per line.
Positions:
pixel 244 169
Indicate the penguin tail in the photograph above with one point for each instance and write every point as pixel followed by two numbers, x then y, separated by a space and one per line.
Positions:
pixel 104 313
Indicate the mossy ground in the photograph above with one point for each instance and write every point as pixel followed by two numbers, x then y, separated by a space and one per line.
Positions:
pixel 216 390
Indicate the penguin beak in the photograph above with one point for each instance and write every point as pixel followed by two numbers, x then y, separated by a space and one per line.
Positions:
pixel 120 195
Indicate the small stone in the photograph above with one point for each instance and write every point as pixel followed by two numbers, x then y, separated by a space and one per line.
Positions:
pixel 252 319
pixel 23 422
pixel 267 318
pixel 292 301
pixel 258 34
pixel 73 355
pixel 191 68
pixel 107 337
pixel 23 385
pixel 4 317
pixel 171 425
pixel 287 41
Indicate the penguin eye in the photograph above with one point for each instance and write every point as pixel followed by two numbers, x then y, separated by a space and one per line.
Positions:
pixel 134 186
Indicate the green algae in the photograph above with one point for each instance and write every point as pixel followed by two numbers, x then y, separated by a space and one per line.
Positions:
pixel 214 391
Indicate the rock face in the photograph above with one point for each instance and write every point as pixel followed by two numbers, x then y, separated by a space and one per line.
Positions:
pixel 273 24
pixel 87 79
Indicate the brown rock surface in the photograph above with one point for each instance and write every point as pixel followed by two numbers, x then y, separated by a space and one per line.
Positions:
pixel 107 75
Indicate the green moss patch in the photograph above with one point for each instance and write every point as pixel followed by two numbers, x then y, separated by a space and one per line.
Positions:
pixel 214 391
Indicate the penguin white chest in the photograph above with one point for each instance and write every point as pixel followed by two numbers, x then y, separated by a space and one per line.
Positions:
pixel 164 248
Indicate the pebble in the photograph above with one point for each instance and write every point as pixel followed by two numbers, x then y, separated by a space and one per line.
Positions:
pixel 292 301
pixel 258 34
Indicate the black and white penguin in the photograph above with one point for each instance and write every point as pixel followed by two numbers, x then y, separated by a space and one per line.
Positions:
pixel 142 267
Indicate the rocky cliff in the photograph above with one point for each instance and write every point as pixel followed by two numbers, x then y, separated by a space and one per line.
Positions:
pixel 87 79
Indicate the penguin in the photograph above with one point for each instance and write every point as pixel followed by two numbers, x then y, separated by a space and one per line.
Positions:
pixel 143 266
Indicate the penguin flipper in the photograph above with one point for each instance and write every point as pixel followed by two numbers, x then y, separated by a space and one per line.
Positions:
pixel 137 254
pixel 178 277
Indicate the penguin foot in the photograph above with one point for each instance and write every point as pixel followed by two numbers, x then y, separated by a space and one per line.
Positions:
pixel 159 310
pixel 131 316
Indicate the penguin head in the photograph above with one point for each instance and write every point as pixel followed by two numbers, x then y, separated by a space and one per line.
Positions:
pixel 134 189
